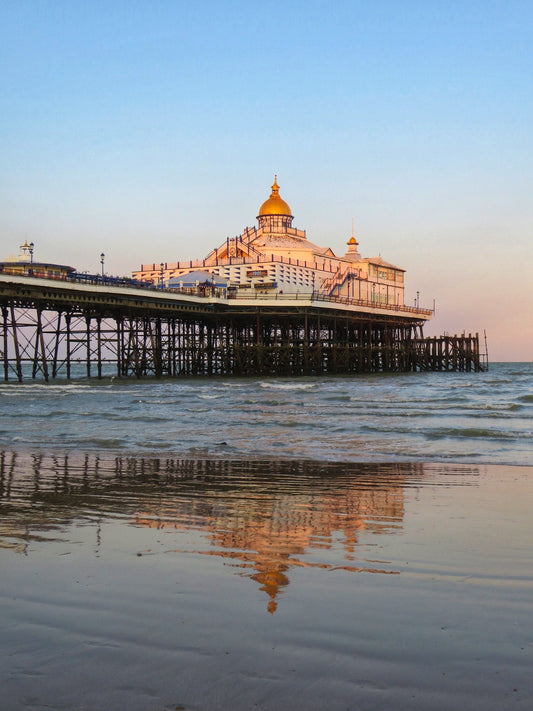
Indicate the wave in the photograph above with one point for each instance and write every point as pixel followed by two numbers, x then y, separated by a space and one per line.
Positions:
pixel 526 398
pixel 293 423
pixel 288 386
pixel 48 387
pixel 470 433
pixel 96 442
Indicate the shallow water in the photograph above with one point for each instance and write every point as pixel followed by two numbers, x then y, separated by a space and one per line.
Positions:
pixel 468 417
pixel 168 583
pixel 321 543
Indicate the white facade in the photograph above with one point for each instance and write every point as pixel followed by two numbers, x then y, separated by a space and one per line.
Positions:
pixel 276 257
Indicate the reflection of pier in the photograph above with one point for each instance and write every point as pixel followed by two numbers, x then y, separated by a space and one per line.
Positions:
pixel 51 328
pixel 266 518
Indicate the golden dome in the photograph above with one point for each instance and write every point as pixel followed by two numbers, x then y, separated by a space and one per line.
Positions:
pixel 274 205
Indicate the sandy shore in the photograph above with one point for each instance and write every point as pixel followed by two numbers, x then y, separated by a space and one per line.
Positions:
pixel 210 584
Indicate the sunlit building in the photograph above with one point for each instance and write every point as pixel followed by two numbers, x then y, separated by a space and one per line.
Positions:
pixel 276 257
pixel 25 265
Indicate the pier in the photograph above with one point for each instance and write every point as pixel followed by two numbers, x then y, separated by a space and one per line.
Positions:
pixel 68 327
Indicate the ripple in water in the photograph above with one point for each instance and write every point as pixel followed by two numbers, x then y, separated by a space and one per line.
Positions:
pixel 415 416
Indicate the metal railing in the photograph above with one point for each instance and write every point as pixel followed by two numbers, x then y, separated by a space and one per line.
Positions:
pixel 210 291
pixel 345 300
pixel 373 304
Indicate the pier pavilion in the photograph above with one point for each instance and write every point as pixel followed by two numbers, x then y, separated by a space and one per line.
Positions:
pixel 274 257
pixel 25 264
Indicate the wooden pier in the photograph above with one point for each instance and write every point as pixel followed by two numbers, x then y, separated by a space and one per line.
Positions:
pixel 457 353
pixel 53 329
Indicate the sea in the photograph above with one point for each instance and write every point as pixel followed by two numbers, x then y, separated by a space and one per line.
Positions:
pixel 320 543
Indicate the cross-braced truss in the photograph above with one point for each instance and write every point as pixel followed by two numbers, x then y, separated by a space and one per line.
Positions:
pixel 50 343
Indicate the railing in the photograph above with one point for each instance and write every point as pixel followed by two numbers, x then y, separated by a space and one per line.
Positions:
pixel 345 300
pixel 373 304
pixel 210 291
pixel 79 278
pixel 212 259
pixel 337 279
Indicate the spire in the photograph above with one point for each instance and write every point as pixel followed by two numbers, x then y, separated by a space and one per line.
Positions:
pixel 352 242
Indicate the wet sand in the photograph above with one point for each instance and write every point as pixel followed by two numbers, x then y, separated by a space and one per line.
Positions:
pixel 165 584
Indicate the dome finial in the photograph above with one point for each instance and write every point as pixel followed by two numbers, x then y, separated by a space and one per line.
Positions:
pixel 352 244
pixel 275 205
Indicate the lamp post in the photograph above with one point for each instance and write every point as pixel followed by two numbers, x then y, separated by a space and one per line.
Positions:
pixel 102 257
pixel 32 246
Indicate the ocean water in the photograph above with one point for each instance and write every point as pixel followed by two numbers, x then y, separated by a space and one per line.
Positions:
pixel 333 543
pixel 471 417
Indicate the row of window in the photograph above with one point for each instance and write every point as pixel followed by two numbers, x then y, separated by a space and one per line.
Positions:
pixel 385 273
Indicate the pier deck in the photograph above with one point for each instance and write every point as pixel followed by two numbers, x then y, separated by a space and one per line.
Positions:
pixel 51 327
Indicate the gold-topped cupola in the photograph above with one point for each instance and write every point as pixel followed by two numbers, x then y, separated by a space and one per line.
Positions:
pixel 275 214
pixel 353 245
pixel 275 205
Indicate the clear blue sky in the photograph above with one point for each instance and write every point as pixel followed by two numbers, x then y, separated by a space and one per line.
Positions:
pixel 152 131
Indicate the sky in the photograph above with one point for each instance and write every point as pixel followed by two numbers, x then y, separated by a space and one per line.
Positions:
pixel 152 130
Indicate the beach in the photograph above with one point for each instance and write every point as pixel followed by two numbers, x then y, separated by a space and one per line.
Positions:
pixel 222 576
pixel 215 585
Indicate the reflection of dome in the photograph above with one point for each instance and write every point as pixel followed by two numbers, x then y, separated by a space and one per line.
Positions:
pixel 274 205
pixel 271 582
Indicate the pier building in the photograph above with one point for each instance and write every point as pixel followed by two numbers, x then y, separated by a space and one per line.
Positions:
pixel 274 257
pixel 267 302
pixel 24 264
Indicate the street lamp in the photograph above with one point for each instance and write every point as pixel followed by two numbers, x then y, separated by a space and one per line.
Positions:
pixel 32 246
pixel 102 257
